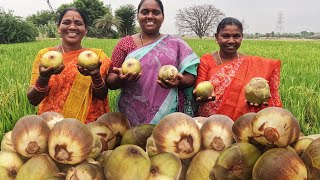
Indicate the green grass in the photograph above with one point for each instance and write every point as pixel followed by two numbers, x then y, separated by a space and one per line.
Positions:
pixel 299 89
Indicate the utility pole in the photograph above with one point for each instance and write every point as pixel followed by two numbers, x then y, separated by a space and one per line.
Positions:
pixel 49 4
pixel 280 21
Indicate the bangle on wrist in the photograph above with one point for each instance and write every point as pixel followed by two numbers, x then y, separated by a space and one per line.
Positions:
pixel 99 86
pixel 43 77
pixel 41 89
pixel 96 77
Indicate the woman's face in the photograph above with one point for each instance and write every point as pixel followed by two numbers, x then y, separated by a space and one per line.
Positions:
pixel 229 39
pixel 150 17
pixel 72 28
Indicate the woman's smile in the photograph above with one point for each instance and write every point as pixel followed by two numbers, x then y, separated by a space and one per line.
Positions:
pixel 72 34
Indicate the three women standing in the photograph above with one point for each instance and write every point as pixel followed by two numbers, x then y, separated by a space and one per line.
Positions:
pixel 144 98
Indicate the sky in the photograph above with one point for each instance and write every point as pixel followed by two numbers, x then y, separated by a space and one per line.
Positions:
pixel 258 15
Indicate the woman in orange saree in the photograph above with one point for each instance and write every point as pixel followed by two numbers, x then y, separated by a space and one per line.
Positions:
pixel 230 71
pixel 69 89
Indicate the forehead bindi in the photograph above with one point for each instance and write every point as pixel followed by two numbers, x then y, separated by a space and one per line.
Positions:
pixel 72 15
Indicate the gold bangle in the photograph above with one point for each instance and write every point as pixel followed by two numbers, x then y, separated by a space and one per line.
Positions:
pixel 93 78
pixel 40 89
pixel 43 77
pixel 99 86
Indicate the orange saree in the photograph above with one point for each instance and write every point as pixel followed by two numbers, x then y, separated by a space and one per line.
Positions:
pixel 229 80
pixel 70 92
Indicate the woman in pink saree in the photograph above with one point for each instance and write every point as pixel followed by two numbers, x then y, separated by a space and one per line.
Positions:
pixel 145 99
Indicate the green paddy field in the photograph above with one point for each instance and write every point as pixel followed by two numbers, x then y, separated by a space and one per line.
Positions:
pixel 299 89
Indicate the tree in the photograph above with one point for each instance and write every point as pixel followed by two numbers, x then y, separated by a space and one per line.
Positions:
pixel 245 26
pixel 93 9
pixel 42 18
pixel 200 19
pixel 48 30
pixel 127 16
pixel 306 34
pixel 64 6
pixel 107 24
pixel 15 30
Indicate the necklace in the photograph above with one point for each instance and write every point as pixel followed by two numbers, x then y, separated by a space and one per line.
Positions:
pixel 62 49
pixel 141 39
pixel 220 57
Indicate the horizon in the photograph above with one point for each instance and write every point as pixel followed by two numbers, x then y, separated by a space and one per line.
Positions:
pixel 258 16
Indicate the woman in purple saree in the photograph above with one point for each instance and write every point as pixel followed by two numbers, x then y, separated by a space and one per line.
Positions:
pixel 145 99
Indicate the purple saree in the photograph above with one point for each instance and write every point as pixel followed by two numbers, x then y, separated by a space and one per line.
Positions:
pixel 145 101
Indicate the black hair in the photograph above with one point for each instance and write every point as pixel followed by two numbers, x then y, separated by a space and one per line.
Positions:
pixel 229 21
pixel 158 1
pixel 72 9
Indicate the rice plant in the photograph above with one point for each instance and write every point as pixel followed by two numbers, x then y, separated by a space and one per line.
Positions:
pixel 299 88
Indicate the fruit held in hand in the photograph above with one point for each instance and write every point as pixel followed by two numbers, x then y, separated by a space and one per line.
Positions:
pixel 204 89
pixel 88 60
pixel 257 90
pixel 167 72
pixel 131 66
pixel 51 59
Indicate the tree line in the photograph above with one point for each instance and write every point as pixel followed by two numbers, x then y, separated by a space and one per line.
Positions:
pixel 102 23
pixel 100 19
pixel 199 20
